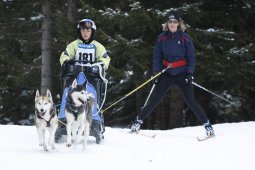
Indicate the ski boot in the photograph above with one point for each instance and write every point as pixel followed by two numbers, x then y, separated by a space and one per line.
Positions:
pixel 135 128
pixel 209 129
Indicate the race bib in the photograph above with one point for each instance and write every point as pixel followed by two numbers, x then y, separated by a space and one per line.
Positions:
pixel 86 52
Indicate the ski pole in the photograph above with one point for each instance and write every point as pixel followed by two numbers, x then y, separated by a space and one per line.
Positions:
pixel 152 78
pixel 152 88
pixel 212 92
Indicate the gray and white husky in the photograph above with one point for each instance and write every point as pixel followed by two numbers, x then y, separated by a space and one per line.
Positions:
pixel 78 112
pixel 45 118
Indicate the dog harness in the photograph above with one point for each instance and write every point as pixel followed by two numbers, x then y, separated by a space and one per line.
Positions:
pixel 71 108
pixel 52 113
pixel 76 111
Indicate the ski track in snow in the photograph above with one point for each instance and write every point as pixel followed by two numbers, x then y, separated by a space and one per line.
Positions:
pixel 233 148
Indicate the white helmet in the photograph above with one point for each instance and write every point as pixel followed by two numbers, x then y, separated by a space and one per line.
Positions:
pixel 87 23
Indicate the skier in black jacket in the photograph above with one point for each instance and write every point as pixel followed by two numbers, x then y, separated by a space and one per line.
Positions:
pixel 174 47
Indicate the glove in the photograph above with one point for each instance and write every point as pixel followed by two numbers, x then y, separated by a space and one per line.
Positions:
pixel 67 67
pixel 156 80
pixel 70 62
pixel 104 66
pixel 64 65
pixel 63 69
pixel 189 79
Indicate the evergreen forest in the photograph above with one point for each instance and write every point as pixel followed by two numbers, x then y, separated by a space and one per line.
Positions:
pixel 34 33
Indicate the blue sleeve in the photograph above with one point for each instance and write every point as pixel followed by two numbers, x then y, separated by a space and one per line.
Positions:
pixel 190 56
pixel 157 57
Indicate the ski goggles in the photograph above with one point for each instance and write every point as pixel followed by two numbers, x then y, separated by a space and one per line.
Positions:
pixel 85 25
pixel 170 21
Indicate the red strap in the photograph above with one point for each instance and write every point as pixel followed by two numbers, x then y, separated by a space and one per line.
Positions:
pixel 175 64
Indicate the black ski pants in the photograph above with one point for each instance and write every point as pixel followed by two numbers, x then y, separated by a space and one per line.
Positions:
pixel 162 87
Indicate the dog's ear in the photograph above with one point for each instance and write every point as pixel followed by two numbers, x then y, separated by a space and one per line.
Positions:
pixel 37 94
pixel 48 94
pixel 74 84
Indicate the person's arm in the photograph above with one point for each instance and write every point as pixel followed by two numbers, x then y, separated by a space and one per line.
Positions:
pixel 102 55
pixel 157 57
pixel 69 52
pixel 191 57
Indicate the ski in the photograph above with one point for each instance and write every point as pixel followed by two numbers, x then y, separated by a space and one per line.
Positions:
pixel 149 136
pixel 145 135
pixel 203 138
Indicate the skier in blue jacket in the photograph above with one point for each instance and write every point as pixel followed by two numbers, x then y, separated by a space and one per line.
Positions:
pixel 174 47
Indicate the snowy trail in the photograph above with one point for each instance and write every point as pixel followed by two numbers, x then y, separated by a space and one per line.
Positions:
pixel 233 148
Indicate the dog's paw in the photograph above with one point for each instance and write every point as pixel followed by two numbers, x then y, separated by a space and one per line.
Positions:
pixel 45 148
pixel 68 145
pixel 53 147
pixel 84 148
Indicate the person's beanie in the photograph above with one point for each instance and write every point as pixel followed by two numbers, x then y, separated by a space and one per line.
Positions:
pixel 173 15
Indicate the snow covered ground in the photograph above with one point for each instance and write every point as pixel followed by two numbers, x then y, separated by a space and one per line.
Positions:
pixel 233 148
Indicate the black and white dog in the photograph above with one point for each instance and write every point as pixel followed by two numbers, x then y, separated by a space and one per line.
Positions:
pixel 78 112
pixel 45 118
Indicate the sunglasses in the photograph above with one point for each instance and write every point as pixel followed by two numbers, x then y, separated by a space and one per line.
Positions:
pixel 174 21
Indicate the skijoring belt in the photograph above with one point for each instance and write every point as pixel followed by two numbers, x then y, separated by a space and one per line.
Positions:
pixel 175 64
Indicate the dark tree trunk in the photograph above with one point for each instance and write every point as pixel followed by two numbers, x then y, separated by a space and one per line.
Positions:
pixel 46 46
pixel 71 13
